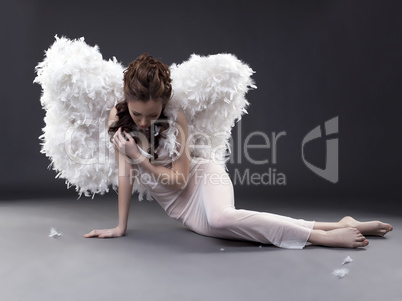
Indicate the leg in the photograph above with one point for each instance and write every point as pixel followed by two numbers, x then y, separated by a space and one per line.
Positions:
pixel 343 237
pixel 347 233
pixel 227 222
pixel 376 228
pixel 224 221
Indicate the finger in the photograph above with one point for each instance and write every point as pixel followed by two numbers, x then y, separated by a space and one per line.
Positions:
pixel 117 141
pixel 119 137
pixel 116 133
pixel 128 136
pixel 91 234
pixel 123 136
pixel 119 145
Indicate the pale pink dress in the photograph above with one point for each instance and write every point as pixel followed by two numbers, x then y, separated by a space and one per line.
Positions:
pixel 206 206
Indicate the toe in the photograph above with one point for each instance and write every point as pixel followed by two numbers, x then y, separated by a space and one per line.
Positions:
pixel 361 238
pixel 363 243
pixel 386 228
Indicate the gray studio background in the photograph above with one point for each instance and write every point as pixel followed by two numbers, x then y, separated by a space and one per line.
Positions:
pixel 314 60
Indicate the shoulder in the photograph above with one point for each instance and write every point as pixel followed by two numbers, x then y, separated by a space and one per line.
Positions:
pixel 113 116
pixel 181 119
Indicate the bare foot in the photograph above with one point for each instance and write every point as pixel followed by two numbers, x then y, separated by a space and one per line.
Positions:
pixel 344 238
pixel 376 228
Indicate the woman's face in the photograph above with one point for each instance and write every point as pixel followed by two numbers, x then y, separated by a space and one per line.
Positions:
pixel 144 114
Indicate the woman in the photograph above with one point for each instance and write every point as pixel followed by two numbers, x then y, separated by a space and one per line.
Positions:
pixel 199 193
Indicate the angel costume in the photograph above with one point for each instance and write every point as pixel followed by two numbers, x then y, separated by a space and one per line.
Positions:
pixel 79 89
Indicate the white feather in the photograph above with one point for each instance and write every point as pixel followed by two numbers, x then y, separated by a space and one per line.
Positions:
pixel 54 233
pixel 347 260
pixel 79 89
pixel 211 92
pixel 340 273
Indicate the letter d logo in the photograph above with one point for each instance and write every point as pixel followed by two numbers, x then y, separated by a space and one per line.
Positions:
pixel 330 172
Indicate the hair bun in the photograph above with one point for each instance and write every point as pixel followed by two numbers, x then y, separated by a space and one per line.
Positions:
pixel 147 78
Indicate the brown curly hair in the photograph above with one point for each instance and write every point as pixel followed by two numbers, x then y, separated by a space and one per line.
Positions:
pixel 145 79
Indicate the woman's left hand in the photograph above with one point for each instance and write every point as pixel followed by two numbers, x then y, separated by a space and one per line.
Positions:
pixel 126 146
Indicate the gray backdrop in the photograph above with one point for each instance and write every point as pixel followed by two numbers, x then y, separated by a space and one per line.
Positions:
pixel 314 60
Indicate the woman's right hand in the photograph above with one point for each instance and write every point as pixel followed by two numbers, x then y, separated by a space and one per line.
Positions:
pixel 106 233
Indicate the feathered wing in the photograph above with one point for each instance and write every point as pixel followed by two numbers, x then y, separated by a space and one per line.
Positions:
pixel 211 92
pixel 79 89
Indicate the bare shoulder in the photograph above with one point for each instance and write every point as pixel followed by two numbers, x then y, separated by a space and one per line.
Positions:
pixel 113 116
pixel 181 119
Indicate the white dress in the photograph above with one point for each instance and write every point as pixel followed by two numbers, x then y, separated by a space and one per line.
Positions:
pixel 206 206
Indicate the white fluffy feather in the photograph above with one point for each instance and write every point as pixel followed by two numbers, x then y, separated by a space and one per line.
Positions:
pixel 340 273
pixel 54 233
pixel 347 260
pixel 211 91
pixel 80 88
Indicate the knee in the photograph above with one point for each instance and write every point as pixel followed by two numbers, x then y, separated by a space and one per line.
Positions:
pixel 222 220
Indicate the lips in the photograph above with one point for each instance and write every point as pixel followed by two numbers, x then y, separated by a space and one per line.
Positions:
pixel 141 127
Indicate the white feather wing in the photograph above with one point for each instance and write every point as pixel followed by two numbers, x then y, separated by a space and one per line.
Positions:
pixel 78 90
pixel 211 92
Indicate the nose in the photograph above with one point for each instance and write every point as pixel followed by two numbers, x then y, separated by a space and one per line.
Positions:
pixel 142 123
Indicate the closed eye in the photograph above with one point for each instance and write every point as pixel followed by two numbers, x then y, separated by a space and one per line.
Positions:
pixel 137 114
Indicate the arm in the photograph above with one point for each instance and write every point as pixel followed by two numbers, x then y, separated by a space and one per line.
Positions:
pixel 177 176
pixel 124 193
pixel 124 190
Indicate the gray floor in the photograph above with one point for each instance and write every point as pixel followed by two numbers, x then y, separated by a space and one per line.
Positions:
pixel 161 260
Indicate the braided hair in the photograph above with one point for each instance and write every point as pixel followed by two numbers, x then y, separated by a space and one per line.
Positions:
pixel 145 79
